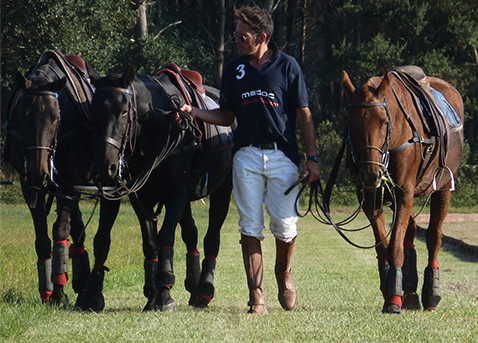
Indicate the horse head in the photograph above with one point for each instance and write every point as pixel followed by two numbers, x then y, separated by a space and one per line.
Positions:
pixel 368 129
pixel 39 113
pixel 114 118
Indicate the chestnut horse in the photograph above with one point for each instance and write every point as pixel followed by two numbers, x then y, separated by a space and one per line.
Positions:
pixel 48 145
pixel 390 139
pixel 137 137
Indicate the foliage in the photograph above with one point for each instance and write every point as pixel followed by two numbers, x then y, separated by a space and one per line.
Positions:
pixel 362 37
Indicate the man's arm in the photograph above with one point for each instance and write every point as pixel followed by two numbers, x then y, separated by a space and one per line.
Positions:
pixel 216 116
pixel 306 126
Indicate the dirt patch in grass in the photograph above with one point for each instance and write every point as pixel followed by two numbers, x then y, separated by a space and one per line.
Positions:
pixel 460 230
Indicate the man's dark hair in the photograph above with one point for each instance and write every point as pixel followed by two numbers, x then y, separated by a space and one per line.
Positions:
pixel 258 19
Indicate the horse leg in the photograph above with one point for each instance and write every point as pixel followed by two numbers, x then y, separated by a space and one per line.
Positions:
pixel 61 233
pixel 145 215
pixel 411 300
pixel 165 243
pixel 80 261
pixel 93 299
pixel 393 297
pixel 218 209
pixel 189 234
pixel 431 294
pixel 42 248
pixel 378 225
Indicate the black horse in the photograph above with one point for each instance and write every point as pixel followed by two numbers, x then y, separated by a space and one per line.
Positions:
pixel 48 144
pixel 138 139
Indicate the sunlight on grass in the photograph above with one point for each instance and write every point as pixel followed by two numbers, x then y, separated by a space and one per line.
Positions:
pixel 338 295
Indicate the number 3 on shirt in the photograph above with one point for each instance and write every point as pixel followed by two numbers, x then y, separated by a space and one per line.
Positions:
pixel 241 71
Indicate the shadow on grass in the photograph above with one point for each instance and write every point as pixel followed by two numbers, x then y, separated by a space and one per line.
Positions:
pixel 460 249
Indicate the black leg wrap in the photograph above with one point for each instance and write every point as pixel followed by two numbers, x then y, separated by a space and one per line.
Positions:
pixel 81 272
pixel 383 269
pixel 166 280
pixel 193 272
pixel 394 282
pixel 394 288
pixel 150 288
pixel 44 275
pixel 205 289
pixel 93 299
pixel 60 258
pixel 410 273
pixel 431 294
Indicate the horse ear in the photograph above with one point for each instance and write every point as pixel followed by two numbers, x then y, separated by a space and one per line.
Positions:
pixel 58 85
pixel 22 81
pixel 384 84
pixel 347 85
pixel 128 76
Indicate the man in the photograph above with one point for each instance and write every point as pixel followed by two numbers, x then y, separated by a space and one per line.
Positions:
pixel 264 89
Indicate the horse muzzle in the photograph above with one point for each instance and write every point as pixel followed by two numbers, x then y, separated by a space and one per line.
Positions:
pixel 371 176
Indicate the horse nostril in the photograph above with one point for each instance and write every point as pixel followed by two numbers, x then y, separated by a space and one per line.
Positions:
pixel 112 170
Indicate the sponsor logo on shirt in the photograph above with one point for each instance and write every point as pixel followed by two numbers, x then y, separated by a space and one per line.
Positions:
pixel 258 95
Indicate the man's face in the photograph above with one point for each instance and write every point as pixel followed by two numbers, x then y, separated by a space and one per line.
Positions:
pixel 246 41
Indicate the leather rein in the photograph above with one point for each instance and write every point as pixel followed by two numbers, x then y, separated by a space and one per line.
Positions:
pixel 127 187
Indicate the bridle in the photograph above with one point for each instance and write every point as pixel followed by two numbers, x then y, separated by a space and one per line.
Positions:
pixel 384 149
pixel 52 147
pixel 128 136
pixel 131 186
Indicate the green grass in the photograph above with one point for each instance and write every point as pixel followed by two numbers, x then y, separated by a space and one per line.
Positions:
pixel 338 296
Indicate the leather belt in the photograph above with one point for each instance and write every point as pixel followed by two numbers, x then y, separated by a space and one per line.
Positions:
pixel 265 146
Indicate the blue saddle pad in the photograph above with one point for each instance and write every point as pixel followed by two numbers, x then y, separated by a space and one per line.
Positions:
pixel 448 111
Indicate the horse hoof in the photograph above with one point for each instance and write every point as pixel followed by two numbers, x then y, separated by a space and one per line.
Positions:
pixel 95 304
pixel 58 298
pixel 169 307
pixel 150 305
pixel 202 301
pixel 192 300
pixel 411 301
pixel 391 308
pixel 80 299
pixel 430 308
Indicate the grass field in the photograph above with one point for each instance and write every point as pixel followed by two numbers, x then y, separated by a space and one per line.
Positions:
pixel 338 296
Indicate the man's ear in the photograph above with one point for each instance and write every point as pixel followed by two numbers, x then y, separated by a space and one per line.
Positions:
pixel 261 38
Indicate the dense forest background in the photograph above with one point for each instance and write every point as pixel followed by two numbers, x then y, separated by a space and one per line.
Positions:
pixel 363 37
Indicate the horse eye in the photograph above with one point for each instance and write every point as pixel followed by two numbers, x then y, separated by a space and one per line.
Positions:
pixel 123 113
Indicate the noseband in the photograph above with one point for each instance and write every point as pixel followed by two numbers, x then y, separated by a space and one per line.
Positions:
pixel 52 148
pixel 384 152
pixel 128 135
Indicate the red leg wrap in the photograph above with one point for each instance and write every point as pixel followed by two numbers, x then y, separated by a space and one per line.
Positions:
pixel 101 266
pixel 408 244
pixel 433 264
pixel 45 296
pixel 59 279
pixel 395 299
pixel 192 253
pixel 76 251
pixel 210 257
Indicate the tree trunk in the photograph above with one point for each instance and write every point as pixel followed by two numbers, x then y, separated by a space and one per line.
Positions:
pixel 304 33
pixel 220 41
pixel 291 16
pixel 141 27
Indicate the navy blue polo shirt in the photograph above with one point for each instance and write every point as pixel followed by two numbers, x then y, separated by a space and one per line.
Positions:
pixel 264 101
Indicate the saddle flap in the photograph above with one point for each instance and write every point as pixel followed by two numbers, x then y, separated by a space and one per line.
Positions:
pixel 78 62
pixel 195 79
pixel 78 85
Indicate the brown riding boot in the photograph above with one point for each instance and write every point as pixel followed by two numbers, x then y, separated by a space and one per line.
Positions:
pixel 287 292
pixel 252 255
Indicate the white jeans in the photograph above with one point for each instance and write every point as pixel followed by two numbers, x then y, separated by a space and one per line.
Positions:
pixel 262 176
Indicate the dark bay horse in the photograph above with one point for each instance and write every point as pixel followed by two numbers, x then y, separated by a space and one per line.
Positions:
pixel 396 134
pixel 48 144
pixel 138 138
